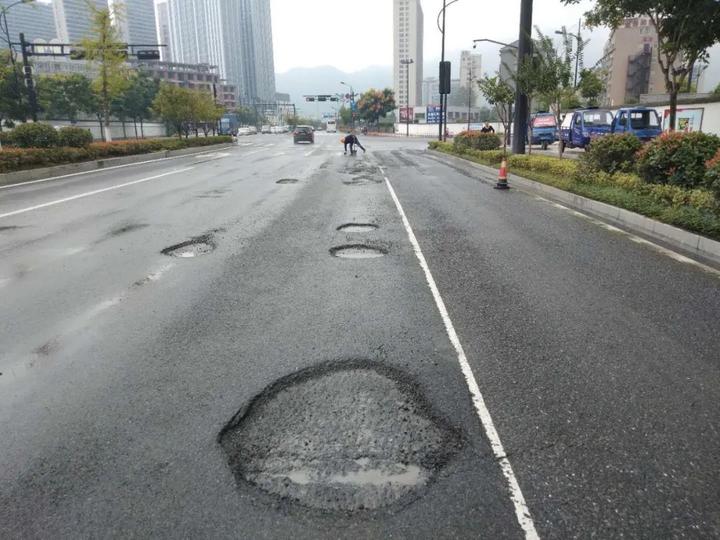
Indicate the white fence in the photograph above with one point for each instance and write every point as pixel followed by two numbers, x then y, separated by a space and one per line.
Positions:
pixel 149 129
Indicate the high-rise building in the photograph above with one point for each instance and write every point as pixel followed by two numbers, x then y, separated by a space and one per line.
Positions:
pixel 162 19
pixel 407 45
pixel 73 19
pixel 235 35
pixel 136 21
pixel 36 21
pixel 630 65
pixel 470 68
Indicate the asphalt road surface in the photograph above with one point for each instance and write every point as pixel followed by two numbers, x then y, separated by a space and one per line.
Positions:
pixel 190 349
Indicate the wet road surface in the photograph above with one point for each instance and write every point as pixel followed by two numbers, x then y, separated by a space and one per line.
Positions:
pixel 376 346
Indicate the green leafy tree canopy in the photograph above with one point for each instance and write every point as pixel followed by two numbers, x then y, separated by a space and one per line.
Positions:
pixel 375 104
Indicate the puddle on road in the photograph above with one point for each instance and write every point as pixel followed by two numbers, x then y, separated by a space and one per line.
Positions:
pixel 346 436
pixel 357 251
pixel 357 227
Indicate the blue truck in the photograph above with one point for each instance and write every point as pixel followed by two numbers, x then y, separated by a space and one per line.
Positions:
pixel 229 124
pixel 543 129
pixel 580 127
pixel 640 121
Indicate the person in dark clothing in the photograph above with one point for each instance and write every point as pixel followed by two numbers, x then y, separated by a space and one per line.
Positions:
pixel 351 140
pixel 487 128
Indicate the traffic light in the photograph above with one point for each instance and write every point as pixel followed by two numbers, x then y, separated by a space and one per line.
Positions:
pixel 322 98
pixel 309 98
pixel 148 54
pixel 334 98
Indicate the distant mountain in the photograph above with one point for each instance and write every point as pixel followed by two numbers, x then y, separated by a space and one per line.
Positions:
pixel 326 80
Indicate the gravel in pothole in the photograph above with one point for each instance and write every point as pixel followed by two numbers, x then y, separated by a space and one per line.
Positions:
pixel 346 437
pixel 195 247
pixel 357 251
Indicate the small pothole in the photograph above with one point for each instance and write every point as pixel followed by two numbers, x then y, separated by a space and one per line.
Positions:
pixel 287 181
pixel 361 180
pixel 195 247
pixel 347 436
pixel 357 227
pixel 357 251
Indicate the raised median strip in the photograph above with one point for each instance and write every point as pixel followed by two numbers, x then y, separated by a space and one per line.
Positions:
pixel 688 242
pixel 30 175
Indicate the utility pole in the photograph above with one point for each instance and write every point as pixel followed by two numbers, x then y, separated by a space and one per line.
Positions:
pixel 443 97
pixel 470 91
pixel 521 101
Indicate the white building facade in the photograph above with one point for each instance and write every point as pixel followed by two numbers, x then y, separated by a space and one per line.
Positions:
pixel 407 45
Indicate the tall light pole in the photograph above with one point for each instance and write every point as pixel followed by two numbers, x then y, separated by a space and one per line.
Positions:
pixel 352 104
pixel 443 96
pixel 470 91
pixel 578 47
pixel 521 100
pixel 406 62
pixel 6 30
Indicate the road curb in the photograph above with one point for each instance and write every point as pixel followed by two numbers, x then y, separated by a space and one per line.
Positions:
pixel 690 243
pixel 29 175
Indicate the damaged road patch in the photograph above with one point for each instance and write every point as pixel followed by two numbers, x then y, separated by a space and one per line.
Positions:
pixel 344 436
pixel 195 247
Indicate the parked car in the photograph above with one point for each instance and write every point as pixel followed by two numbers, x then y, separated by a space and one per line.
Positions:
pixel 544 129
pixel 640 121
pixel 266 129
pixel 243 131
pixel 580 127
pixel 252 130
pixel 303 134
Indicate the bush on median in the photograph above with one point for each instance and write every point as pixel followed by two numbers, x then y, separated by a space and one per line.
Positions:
pixel 34 135
pixel 74 136
pixel 677 158
pixel 476 140
pixel 612 153
pixel 17 159
pixel 712 175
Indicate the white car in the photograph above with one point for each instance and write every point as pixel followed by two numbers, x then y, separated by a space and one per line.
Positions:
pixel 266 129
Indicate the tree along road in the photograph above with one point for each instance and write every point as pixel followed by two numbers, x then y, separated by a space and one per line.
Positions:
pixel 189 348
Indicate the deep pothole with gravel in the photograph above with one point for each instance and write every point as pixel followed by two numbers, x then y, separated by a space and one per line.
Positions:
pixel 347 436
pixel 195 247
pixel 357 227
pixel 358 251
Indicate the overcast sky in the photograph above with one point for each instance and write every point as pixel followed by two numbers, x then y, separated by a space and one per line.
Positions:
pixel 354 35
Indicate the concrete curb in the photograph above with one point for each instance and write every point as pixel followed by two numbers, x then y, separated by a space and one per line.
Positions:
pixel 690 243
pixel 18 177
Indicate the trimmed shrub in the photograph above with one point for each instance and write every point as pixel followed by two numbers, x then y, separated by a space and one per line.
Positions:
pixel 6 138
pixel 677 158
pixel 476 140
pixel 564 168
pixel 712 175
pixel 612 153
pixel 35 135
pixel 17 159
pixel 74 136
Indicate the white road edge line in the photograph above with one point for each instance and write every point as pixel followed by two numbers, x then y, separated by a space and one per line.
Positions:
pixel 90 193
pixel 637 239
pixel 522 513
pixel 31 182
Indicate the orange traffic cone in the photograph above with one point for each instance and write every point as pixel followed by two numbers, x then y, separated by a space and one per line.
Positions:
pixel 502 182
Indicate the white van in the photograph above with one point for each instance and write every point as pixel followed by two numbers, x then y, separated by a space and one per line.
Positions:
pixel 331 126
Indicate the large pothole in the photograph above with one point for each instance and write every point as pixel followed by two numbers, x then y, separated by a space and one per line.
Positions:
pixel 362 180
pixel 350 436
pixel 357 251
pixel 287 181
pixel 195 247
pixel 357 227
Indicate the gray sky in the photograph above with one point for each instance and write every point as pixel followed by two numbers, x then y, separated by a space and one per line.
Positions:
pixel 354 35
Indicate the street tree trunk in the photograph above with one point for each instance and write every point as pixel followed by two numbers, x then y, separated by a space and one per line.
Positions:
pixel 673 107
pixel 135 124
pixel 142 132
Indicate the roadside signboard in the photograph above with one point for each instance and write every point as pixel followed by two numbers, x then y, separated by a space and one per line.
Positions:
pixel 406 113
pixel 433 114
pixel 686 120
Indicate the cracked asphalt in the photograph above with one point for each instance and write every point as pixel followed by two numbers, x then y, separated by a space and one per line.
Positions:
pixel 597 357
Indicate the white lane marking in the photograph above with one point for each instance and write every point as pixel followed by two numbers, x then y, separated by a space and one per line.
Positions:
pixel 311 152
pixel 279 154
pixel 638 240
pixel 3 282
pixel 114 167
pixel 154 276
pixel 522 513
pixel 91 193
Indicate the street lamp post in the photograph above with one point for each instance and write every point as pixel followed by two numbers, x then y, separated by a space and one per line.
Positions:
pixel 521 100
pixel 578 41
pixel 443 97
pixel 407 62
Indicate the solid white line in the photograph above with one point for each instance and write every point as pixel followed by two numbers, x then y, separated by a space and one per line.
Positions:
pixel 101 170
pixel 638 240
pixel 90 193
pixel 308 154
pixel 522 513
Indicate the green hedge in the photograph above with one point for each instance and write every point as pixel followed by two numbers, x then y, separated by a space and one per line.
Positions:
pixel 74 136
pixel 694 209
pixel 612 153
pixel 677 158
pixel 17 159
pixel 476 140
pixel 712 176
pixel 35 135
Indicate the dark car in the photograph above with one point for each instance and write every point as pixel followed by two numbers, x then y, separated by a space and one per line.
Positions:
pixel 303 134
